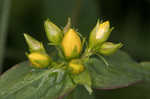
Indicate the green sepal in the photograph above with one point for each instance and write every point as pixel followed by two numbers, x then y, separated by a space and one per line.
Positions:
pixel 74 53
pixel 68 25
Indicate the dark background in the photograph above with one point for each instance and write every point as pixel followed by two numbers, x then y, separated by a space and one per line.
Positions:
pixel 131 19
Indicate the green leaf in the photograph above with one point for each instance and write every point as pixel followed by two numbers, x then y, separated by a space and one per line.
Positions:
pixel 79 93
pixel 146 69
pixel 83 79
pixel 121 72
pixel 26 82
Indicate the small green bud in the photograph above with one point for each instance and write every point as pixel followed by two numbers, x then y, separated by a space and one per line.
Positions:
pixel 109 48
pixel 33 44
pixel 54 34
pixel 99 34
pixel 39 60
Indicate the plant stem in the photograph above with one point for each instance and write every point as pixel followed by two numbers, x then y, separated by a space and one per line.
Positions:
pixel 3 28
pixel 86 54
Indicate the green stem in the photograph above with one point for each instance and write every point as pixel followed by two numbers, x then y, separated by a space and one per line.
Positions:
pixel 3 28
pixel 86 54
pixel 60 53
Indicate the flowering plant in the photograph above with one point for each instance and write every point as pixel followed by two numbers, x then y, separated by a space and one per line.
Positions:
pixel 92 63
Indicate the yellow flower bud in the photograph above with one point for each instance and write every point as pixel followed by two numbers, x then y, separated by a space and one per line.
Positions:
pixel 99 34
pixel 39 60
pixel 71 44
pixel 109 48
pixel 76 66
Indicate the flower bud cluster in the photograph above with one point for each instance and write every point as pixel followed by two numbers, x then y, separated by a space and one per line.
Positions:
pixel 98 37
pixel 71 44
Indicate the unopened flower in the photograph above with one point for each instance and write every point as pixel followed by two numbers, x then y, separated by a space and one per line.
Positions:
pixel 76 66
pixel 54 34
pixel 71 44
pixel 109 48
pixel 33 44
pixel 99 34
pixel 39 60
